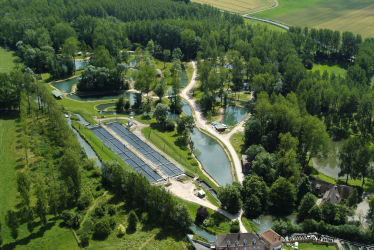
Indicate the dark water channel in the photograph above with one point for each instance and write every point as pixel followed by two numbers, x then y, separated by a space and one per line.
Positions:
pixel 212 157
pixel 87 148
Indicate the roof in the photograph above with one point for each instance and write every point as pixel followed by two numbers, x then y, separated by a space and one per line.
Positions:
pixel 56 93
pixel 201 192
pixel 220 127
pixel 271 236
pixel 221 240
pixel 158 71
pixel 332 195
pixel 324 186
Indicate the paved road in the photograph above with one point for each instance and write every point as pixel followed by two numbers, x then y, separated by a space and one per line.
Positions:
pixel 201 122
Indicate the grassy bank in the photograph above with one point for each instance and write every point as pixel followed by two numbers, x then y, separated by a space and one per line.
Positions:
pixel 249 225
pixel 170 143
pixel 237 141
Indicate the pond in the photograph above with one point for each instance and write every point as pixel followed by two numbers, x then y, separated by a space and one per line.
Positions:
pixel 233 115
pixel 89 151
pixel 186 108
pixel 65 86
pixel 212 157
pixel 202 233
pixel 265 222
pixel 102 107
pixel 129 96
pixel 81 64
pixel 330 165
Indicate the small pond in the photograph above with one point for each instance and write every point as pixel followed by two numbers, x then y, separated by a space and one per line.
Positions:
pixel 233 115
pixel 89 151
pixel 65 86
pixel 129 96
pixel 102 107
pixel 212 157
pixel 202 233
pixel 330 165
pixel 81 65
pixel 265 222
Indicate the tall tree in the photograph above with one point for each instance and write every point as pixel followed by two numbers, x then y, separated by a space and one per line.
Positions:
pixel 230 198
pixel 283 194
pixel 70 47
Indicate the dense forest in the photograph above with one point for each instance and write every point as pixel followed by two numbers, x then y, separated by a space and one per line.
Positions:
pixel 295 112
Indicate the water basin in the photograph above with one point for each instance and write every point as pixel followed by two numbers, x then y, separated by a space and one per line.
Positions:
pixel 129 96
pixel 330 165
pixel 233 115
pixel 102 107
pixel 212 157
pixel 186 108
pixel 65 86
pixel 81 65
pixel 265 222
pixel 202 233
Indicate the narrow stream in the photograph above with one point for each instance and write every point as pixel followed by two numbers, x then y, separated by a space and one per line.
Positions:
pixel 87 148
pixel 202 233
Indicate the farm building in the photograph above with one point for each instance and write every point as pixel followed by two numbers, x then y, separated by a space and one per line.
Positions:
pixel 57 94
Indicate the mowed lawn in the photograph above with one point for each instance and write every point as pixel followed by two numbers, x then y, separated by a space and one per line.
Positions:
pixel 7 58
pixel 338 69
pixel 310 246
pixel 353 15
pixel 239 6
pixel 286 7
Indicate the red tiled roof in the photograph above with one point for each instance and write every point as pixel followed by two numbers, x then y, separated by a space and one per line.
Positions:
pixel 271 237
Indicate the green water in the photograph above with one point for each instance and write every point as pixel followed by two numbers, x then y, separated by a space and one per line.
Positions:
pixel 202 233
pixel 212 157
pixel 186 109
pixel 265 222
pixel 233 115
pixel 115 97
pixel 65 86
pixel 102 107
pixel 330 165
pixel 81 65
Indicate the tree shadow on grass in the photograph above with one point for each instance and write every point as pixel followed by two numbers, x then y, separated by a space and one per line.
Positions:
pixel 25 241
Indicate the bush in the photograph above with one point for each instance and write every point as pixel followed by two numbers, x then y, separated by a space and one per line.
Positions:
pixel 84 238
pixel 111 210
pixel 235 227
pixel 201 214
pixel 99 212
pixel 84 201
pixel 207 223
pixel 121 229
pixel 112 222
pixel 169 125
pixel 127 105
pixel 67 216
pixel 88 225
pixel 102 229
pixel 96 171
pixel 133 220
pixel 144 217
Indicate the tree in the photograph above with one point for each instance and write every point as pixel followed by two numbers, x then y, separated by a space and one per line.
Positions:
pixel 71 171
pixel 42 200
pixel 303 187
pixel 186 122
pixel 23 187
pixel 132 221
pixel 283 194
pixel 252 131
pixel 102 229
pixel 328 212
pixel 181 218
pixel 151 47
pixel 161 112
pixel 145 78
pixel 102 58
pixel 148 104
pixel 177 54
pixel 263 165
pixel 254 185
pixel 166 55
pixel 253 151
pixel 315 213
pixel 353 198
pixel 371 204
pixel 253 206
pixel 230 198
pixel 120 104
pixel 160 88
pixel 70 47
pixel 201 214
pixel 60 32
pixel 12 222
pixel 306 204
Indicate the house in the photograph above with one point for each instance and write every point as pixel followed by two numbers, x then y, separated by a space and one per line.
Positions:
pixel 158 72
pixel 273 241
pixel 57 94
pixel 246 165
pixel 239 241
pixel 331 192
pixel 220 128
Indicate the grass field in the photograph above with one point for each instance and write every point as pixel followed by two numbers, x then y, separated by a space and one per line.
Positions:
pixel 354 15
pixel 338 69
pixel 7 60
pixel 269 26
pixel 239 6
pixel 286 7
pixel 237 141
pixel 310 246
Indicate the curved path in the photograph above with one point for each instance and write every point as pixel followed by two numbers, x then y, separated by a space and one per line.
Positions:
pixel 276 5
pixel 201 122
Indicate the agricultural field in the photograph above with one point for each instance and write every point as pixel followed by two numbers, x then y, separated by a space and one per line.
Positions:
pixel 239 6
pixel 269 26
pixel 7 58
pixel 355 16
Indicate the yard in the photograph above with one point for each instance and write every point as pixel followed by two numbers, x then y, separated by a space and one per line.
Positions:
pixel 310 246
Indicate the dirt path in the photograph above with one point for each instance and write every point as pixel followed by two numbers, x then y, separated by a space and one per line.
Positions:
pixel 93 205
pixel 201 122
pixel 186 192
pixel 147 241
pixel 276 5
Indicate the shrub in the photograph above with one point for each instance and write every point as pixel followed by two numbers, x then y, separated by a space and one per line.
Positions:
pixel 84 201
pixel 121 229
pixel 235 228
pixel 201 214
pixel 84 238
pixel 127 105
pixel 102 229
pixel 99 212
pixel 133 220
pixel 111 210
pixel 144 218
pixel 112 222
pixel 169 125
pixel 67 216
pixel 96 171
pixel 88 225
pixel 207 223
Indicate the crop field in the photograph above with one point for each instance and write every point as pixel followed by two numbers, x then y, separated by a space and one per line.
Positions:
pixel 239 6
pixel 354 15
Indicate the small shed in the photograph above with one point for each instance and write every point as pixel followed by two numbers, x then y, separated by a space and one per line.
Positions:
pixel 201 194
pixel 220 128
pixel 246 165
pixel 57 94
pixel 158 72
